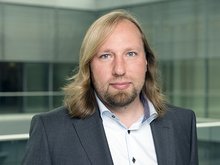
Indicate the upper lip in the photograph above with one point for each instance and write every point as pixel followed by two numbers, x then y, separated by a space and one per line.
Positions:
pixel 120 83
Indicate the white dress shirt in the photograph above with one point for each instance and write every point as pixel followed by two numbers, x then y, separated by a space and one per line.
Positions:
pixel 134 145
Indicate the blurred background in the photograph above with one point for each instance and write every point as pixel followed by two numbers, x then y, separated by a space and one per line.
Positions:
pixel 39 48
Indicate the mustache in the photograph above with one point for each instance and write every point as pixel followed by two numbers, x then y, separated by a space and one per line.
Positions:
pixel 119 79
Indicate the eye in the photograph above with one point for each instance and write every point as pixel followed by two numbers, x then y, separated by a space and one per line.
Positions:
pixel 131 54
pixel 105 56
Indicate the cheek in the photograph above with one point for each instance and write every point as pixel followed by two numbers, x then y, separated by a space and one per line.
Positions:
pixel 138 73
pixel 138 69
pixel 99 75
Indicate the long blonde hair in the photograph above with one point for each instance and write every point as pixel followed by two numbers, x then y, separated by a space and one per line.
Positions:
pixel 79 93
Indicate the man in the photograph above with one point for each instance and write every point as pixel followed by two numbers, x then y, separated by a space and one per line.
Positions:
pixel 114 111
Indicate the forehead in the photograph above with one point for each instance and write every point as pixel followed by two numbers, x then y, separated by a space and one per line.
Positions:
pixel 127 26
pixel 125 33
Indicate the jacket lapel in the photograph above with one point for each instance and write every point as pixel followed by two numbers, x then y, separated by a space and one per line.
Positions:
pixel 92 137
pixel 163 140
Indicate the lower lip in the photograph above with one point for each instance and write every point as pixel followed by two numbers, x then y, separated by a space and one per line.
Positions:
pixel 121 86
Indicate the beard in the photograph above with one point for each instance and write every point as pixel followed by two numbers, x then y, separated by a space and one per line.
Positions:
pixel 120 99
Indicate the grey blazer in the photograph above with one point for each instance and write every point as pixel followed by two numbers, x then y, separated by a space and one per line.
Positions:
pixel 57 139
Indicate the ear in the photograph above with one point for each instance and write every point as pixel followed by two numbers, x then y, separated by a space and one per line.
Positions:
pixel 146 65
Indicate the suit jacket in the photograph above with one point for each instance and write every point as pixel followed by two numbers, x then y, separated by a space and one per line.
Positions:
pixel 58 139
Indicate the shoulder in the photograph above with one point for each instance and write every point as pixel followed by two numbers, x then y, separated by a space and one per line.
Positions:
pixel 51 124
pixel 175 110
pixel 181 120
pixel 178 111
pixel 60 111
pixel 58 115
pixel 55 113
pixel 179 115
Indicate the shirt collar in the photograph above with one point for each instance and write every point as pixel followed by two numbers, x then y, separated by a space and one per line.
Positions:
pixel 149 111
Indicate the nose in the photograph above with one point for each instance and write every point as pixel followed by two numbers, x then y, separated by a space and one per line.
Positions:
pixel 119 66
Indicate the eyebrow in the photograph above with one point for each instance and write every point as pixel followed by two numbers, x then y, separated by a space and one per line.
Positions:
pixel 126 49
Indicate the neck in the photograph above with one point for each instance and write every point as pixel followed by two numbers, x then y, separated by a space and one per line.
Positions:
pixel 129 114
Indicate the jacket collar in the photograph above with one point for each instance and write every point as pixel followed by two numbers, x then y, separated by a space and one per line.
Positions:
pixel 92 137
pixel 163 136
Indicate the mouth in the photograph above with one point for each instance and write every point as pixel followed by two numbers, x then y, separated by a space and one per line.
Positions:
pixel 120 85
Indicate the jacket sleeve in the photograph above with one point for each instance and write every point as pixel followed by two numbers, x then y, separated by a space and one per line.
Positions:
pixel 37 149
pixel 194 145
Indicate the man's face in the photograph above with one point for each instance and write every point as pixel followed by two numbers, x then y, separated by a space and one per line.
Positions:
pixel 119 67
